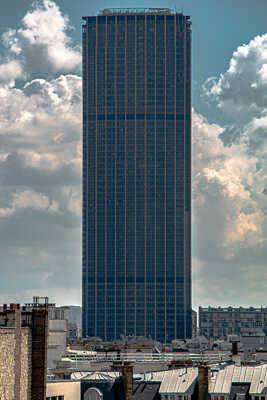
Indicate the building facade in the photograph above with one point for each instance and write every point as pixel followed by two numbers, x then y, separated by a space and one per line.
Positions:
pixel 194 324
pixel 73 315
pixel 15 356
pixel 218 322
pixel 23 344
pixel 63 390
pixel 137 174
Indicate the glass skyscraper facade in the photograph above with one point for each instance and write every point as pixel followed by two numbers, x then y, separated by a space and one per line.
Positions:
pixel 137 174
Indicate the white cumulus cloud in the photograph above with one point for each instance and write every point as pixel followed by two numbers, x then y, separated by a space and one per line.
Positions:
pixel 43 44
pixel 10 71
pixel 40 133
pixel 244 83
pixel 40 156
pixel 230 182
pixel 229 175
pixel 29 199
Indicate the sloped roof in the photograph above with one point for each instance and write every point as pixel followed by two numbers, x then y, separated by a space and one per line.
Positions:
pixel 179 381
pixel 183 380
pixel 96 376
pixel 222 380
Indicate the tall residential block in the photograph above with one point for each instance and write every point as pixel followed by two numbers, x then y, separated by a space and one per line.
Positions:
pixel 137 174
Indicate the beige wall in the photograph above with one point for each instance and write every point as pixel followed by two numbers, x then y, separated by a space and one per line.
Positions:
pixel 8 363
pixel 70 390
pixel 26 352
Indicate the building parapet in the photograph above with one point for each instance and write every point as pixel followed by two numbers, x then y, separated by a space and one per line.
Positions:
pixel 130 11
pixel 233 309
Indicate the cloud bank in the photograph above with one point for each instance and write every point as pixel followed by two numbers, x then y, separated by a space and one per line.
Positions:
pixel 230 183
pixel 40 175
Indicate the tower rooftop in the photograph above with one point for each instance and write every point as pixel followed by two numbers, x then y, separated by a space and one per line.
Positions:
pixel 134 11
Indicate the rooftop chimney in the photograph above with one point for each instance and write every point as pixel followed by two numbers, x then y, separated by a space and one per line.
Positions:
pixel 203 382
pixel 126 369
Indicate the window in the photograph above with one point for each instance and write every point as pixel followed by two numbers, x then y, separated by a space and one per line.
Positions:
pixel 55 398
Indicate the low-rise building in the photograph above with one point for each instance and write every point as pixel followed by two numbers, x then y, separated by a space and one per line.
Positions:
pixel 244 382
pixel 23 344
pixel 203 382
pixel 57 329
pixel 73 314
pixel 219 322
pixel 57 341
pixel 63 390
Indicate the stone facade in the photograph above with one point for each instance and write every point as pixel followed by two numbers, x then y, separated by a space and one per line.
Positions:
pixel 23 345
pixel 7 363
pixel 26 367
pixel 14 368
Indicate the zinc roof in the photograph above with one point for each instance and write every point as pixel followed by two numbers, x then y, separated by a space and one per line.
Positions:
pixel 156 376
pixel 183 380
pixel 221 381
pixel 179 381
pixel 97 375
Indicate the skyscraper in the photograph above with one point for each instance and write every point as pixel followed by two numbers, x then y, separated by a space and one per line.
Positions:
pixel 137 174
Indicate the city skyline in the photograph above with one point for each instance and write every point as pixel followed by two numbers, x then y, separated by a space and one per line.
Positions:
pixel 40 113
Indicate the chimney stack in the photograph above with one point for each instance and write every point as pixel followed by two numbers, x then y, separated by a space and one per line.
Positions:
pixel 127 372
pixel 234 348
pixel 203 382
pixel 126 369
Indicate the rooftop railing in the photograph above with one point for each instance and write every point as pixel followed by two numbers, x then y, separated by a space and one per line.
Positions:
pixel 127 11
pixel 181 358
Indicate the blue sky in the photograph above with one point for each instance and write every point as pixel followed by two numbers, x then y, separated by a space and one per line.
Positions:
pixel 40 156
